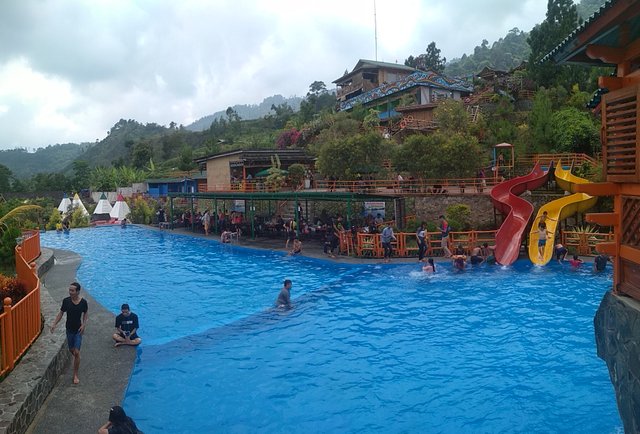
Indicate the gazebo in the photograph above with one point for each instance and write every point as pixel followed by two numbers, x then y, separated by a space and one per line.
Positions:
pixel 499 150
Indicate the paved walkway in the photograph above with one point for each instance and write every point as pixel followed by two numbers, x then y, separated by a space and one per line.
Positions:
pixel 104 370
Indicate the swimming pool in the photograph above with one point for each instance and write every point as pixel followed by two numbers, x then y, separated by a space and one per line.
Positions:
pixel 368 348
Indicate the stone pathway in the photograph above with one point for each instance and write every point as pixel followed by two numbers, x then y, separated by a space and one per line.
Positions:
pixel 104 370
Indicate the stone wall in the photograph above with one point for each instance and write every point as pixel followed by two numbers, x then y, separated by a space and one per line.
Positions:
pixel 482 215
pixel 25 389
pixel 617 329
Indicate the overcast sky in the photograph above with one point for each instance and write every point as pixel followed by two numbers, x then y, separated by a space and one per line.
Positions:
pixel 69 69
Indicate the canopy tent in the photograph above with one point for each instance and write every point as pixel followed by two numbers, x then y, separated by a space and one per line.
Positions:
pixel 103 207
pixel 265 173
pixel 77 203
pixel 120 210
pixel 65 203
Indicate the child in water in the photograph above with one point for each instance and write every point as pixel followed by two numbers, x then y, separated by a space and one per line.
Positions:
pixel 576 261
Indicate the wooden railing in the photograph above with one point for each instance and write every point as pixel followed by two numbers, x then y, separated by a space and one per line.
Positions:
pixel 20 324
pixel 565 159
pixel 585 242
pixel 405 245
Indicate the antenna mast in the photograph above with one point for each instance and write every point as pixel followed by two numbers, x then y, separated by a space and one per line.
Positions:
pixel 375 27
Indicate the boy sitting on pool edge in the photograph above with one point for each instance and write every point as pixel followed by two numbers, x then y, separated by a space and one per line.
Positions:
pixel 126 328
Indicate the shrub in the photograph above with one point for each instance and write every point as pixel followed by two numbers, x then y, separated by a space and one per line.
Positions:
pixel 141 211
pixel 13 288
pixel 8 235
pixel 54 219
pixel 78 219
pixel 459 217
pixel 296 174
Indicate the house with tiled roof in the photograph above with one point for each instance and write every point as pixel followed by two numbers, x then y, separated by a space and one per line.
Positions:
pixel 382 86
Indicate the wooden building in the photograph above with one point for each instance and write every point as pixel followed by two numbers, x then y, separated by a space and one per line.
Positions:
pixel 611 37
pixel 227 167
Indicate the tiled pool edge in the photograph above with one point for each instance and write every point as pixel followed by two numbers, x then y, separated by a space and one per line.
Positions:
pixel 24 391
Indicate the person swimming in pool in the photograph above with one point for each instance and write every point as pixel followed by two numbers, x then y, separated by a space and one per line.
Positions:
pixel 284 298
pixel 459 262
pixel 429 267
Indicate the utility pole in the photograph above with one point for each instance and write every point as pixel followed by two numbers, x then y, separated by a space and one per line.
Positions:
pixel 375 28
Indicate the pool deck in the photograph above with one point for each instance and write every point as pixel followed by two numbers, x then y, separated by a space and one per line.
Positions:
pixel 105 370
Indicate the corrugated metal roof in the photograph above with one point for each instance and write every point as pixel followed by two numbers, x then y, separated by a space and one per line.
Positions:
pixel 563 46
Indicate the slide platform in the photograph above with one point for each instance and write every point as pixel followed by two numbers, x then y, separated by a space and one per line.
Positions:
pixel 518 211
pixel 557 210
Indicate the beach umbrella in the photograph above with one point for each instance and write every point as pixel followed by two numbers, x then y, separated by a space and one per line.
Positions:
pixel 65 203
pixel 120 210
pixel 103 207
pixel 77 203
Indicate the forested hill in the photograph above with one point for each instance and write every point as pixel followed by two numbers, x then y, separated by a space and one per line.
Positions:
pixel 247 112
pixel 508 52
pixel 53 158
pixel 118 146
pixel 504 54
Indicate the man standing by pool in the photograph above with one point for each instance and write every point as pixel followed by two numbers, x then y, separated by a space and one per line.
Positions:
pixel 284 298
pixel 76 308
pixel 126 328
pixel 385 237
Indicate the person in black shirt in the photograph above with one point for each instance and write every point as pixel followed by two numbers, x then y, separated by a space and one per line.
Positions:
pixel 77 309
pixel 119 423
pixel 126 328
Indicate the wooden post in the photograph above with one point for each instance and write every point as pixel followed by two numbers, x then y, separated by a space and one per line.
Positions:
pixel 8 333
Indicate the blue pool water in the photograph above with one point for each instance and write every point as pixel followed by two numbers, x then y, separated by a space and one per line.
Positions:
pixel 367 348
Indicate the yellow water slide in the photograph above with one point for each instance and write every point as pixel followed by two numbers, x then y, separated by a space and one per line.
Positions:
pixel 557 210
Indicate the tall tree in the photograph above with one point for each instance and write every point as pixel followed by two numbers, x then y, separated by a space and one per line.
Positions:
pixel 82 173
pixel 560 21
pixel 5 178
pixel 428 61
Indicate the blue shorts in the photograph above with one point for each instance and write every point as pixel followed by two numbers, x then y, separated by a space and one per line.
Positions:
pixel 542 243
pixel 74 340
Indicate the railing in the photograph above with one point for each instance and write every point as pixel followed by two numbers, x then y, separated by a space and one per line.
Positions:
pixel 410 186
pixel 565 159
pixel 407 187
pixel 20 324
pixel 585 242
pixel 405 245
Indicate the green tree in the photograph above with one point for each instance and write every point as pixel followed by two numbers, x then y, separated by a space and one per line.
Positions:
pixel 574 131
pixel 82 173
pixel 452 116
pixel 186 159
pixel 346 158
pixel 5 178
pixel 560 21
pixel 540 122
pixel 142 154
pixel 428 61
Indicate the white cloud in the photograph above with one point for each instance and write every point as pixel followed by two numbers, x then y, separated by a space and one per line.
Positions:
pixel 70 70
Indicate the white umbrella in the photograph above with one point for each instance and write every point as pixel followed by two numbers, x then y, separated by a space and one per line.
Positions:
pixel 120 210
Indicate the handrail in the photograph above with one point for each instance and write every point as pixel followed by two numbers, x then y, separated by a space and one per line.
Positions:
pixel 585 242
pixel 565 158
pixel 20 324
pixel 405 245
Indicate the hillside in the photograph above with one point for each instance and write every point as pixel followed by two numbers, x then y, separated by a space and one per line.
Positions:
pixel 53 158
pixel 119 142
pixel 247 112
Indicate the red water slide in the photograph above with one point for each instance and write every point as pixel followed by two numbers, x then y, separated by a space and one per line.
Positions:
pixel 517 211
